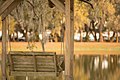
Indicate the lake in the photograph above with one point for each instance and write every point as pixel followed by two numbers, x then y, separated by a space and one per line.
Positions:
pixel 106 67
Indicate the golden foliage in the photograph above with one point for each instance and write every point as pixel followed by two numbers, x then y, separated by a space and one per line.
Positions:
pixel 103 7
pixel 110 8
pixel 81 14
pixel 11 24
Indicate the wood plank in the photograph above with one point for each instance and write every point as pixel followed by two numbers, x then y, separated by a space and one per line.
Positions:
pixel 45 57
pixel 23 66
pixel 46 67
pixel 7 11
pixel 23 63
pixel 32 69
pixel 4 48
pixel 5 5
pixel 48 64
pixel 45 62
pixel 59 5
pixel 27 53
pixel 23 59
pixel 33 73
pixel 46 70
pixel 39 62
pixel 24 69
pixel 69 39
pixel 39 68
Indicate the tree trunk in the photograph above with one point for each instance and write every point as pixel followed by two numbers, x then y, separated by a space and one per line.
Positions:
pixel 95 36
pixel 108 34
pixel 9 37
pixel 87 31
pixel 17 37
pixel 81 37
pixel 87 37
pixel 43 46
pixel 100 31
pixel 94 32
pixel 117 37
pixel 43 34
pixel 112 39
pixel 14 37
pixel 100 36
pixel 26 35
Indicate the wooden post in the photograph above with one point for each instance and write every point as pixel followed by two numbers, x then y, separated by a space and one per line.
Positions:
pixel 69 39
pixel 4 48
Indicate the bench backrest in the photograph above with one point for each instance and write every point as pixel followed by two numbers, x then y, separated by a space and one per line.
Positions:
pixel 32 63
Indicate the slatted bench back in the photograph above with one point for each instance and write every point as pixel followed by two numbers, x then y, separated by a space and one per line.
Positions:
pixel 33 63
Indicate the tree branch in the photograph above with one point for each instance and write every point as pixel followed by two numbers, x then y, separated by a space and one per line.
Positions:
pixel 87 1
pixel 33 9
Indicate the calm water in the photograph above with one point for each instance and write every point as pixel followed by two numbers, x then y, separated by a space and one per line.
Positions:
pixel 89 68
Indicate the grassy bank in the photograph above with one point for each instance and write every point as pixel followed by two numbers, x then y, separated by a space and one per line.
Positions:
pixel 79 48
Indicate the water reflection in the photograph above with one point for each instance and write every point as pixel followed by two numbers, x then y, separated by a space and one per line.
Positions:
pixel 91 67
pixel 105 67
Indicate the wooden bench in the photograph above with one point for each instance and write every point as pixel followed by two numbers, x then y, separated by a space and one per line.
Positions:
pixel 34 63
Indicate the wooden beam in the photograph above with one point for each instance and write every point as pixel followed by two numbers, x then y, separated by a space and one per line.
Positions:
pixel 5 5
pixel 10 8
pixel 59 5
pixel 69 39
pixel 4 48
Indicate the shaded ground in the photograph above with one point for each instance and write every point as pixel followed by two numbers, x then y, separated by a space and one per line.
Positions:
pixel 79 48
